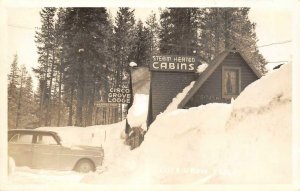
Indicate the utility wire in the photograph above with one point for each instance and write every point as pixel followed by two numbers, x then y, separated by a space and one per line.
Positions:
pixel 275 43
pixel 169 44
pixel 277 61
pixel 23 27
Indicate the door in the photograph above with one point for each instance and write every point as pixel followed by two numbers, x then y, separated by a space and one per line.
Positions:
pixel 46 151
pixel 20 149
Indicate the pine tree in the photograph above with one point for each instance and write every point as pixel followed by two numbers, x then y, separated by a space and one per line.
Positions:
pixel 112 64
pixel 45 41
pixel 21 106
pixel 179 31
pixel 152 35
pixel 85 52
pixel 28 117
pixel 59 35
pixel 23 74
pixel 141 46
pixel 13 82
pixel 166 42
pixel 223 27
pixel 125 39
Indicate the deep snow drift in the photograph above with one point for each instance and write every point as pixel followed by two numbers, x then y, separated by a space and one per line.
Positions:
pixel 137 113
pixel 247 141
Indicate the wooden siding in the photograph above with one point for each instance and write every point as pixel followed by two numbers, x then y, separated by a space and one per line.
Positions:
pixel 165 86
pixel 211 90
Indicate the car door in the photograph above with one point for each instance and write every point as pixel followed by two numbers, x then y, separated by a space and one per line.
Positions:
pixel 20 148
pixel 46 151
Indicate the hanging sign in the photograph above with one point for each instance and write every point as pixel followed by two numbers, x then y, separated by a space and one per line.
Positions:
pixel 105 104
pixel 174 63
pixel 119 95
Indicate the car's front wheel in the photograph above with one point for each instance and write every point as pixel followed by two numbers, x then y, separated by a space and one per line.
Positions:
pixel 85 166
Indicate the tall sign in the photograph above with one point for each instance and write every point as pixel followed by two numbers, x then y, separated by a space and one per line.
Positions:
pixel 173 63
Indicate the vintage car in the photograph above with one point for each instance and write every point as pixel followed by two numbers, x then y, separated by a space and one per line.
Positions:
pixel 41 149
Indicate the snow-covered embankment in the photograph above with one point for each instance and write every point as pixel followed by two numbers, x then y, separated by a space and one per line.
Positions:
pixel 247 141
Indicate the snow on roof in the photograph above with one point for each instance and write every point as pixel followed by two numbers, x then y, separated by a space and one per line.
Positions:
pixel 132 64
pixel 180 96
pixel 201 68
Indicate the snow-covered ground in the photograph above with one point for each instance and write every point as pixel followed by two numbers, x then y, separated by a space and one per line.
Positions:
pixel 247 141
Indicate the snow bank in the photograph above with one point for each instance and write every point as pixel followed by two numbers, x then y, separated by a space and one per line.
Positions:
pixel 247 141
pixel 174 151
pixel 272 87
pixel 137 114
pixel 183 146
pixel 258 147
pixel 25 176
pixel 11 165
pixel 110 137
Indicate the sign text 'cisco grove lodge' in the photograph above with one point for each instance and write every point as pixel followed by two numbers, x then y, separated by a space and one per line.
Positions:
pixel 119 95
pixel 174 63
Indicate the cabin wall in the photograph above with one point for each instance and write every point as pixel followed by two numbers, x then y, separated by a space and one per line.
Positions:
pixel 211 90
pixel 165 86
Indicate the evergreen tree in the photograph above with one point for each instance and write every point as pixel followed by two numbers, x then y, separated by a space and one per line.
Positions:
pixel 45 71
pixel 178 33
pixel 13 92
pixel 59 36
pixel 125 39
pixel 140 49
pixel 111 66
pixel 21 106
pixel 223 27
pixel 152 35
pixel 85 51
pixel 166 41
pixel 28 117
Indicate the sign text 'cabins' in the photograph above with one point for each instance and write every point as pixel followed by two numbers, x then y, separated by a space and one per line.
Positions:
pixel 174 63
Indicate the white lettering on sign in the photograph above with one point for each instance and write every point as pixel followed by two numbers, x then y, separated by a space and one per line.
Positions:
pixel 174 63
pixel 155 65
pixel 119 95
pixel 161 58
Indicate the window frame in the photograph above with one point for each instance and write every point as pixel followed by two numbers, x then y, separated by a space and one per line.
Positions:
pixel 45 135
pixel 19 135
pixel 224 70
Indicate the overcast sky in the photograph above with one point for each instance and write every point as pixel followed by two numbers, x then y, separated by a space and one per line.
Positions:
pixel 273 26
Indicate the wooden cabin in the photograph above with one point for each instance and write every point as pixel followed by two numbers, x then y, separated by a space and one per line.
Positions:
pixel 225 77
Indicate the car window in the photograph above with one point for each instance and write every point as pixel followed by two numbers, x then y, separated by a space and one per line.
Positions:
pixel 46 140
pixel 21 138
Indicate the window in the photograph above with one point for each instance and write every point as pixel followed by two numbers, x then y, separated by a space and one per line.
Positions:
pixel 46 140
pixel 231 82
pixel 21 139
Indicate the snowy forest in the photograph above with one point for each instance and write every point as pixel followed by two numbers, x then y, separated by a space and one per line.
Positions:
pixel 85 50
